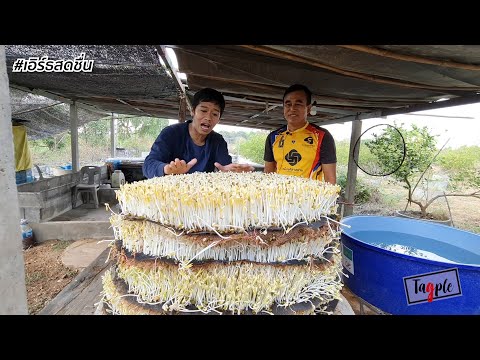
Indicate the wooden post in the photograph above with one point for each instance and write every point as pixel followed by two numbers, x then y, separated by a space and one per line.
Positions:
pixel 182 111
pixel 352 168
pixel 13 293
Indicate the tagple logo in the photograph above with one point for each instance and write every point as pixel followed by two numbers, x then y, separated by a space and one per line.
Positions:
pixel 432 286
pixel 293 157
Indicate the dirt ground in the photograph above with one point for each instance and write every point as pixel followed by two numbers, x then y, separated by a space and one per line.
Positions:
pixel 45 275
pixel 462 210
pixel 465 212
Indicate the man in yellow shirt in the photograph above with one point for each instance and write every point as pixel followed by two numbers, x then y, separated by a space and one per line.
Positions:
pixel 300 148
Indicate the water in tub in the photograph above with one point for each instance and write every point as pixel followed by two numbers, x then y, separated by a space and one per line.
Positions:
pixel 418 246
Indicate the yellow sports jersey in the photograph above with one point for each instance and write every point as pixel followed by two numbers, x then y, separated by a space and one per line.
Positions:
pixel 301 152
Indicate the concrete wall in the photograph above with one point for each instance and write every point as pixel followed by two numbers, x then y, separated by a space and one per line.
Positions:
pixel 46 199
pixel 72 230
pixel 43 200
pixel 13 294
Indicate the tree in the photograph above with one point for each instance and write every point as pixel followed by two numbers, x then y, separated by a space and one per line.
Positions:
pixel 462 165
pixel 139 133
pixel 95 132
pixel 53 142
pixel 254 147
pixel 420 150
pixel 420 154
pixel 140 126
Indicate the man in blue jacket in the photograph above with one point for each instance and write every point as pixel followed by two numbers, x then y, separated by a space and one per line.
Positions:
pixel 193 145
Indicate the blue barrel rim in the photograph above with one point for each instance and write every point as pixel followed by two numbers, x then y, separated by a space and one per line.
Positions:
pixel 404 256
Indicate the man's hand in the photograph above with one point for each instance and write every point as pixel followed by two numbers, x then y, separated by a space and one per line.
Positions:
pixel 179 166
pixel 234 167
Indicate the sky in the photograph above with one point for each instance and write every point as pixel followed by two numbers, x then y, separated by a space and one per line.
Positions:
pixel 458 131
pixel 464 130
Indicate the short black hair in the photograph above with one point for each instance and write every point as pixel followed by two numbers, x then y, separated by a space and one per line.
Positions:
pixel 209 95
pixel 298 87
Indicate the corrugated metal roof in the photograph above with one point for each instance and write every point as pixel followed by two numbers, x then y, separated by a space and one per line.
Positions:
pixel 347 82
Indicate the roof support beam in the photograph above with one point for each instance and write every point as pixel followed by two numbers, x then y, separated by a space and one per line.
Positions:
pixel 162 53
pixel 374 78
pixel 252 84
pixel 441 116
pixel 247 101
pixel 318 98
pixel 59 98
pixel 409 109
pixel 267 109
pixel 40 108
pixel 259 126
pixel 133 107
pixel 334 111
pixel 411 58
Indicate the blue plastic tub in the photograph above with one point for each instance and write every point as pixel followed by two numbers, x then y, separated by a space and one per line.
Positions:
pixel 23 176
pixel 115 163
pixel 405 266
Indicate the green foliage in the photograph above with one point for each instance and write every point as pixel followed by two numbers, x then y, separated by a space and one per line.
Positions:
pixel 234 139
pixel 142 127
pixel 420 150
pixel 61 245
pixel 343 148
pixel 474 229
pixel 369 161
pixel 254 147
pixel 462 165
pixel 55 142
pixel 45 152
pixel 94 141
pixel 132 132
pixel 95 132
pixel 363 192
pixel 139 133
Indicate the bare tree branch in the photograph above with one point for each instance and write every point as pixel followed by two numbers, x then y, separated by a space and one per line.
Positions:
pixel 475 194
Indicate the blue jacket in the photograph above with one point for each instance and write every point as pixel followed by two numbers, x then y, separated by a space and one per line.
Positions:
pixel 174 141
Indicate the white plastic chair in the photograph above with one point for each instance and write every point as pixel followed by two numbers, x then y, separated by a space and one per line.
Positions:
pixel 90 187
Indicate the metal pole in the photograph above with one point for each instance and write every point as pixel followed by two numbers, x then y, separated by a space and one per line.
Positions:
pixel 74 135
pixel 113 136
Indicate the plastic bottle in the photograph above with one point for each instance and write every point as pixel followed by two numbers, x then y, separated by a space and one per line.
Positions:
pixel 118 178
pixel 27 234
